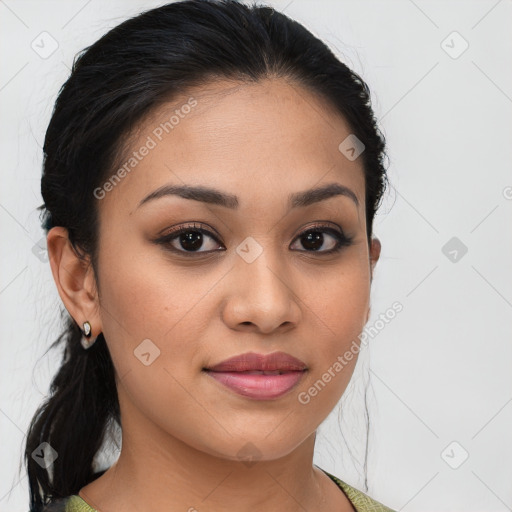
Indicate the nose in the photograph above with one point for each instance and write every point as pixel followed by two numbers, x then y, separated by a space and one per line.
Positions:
pixel 261 296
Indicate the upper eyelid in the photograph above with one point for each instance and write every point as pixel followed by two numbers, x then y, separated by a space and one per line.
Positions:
pixel 322 224
pixel 325 225
pixel 342 239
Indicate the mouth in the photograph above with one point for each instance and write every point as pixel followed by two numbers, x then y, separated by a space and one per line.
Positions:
pixel 257 376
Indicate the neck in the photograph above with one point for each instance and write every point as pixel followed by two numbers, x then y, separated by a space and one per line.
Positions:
pixel 163 471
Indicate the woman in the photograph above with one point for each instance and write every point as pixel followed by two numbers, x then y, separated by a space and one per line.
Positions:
pixel 211 176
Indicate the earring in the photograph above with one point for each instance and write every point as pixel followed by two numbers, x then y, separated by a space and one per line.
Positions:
pixel 86 340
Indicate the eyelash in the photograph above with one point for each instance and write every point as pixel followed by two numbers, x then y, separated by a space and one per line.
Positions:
pixel 342 239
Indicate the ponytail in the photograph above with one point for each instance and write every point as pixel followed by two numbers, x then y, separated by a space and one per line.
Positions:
pixel 72 421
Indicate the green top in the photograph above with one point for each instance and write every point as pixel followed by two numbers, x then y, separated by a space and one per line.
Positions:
pixel 360 501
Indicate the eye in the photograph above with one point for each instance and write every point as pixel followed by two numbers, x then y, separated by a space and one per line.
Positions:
pixel 314 239
pixel 187 239
pixel 190 238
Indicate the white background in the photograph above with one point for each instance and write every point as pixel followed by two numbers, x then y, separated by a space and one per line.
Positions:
pixel 441 370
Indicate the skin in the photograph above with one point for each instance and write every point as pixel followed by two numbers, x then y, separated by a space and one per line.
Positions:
pixel 182 430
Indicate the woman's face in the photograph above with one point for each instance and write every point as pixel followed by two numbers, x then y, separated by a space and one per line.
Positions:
pixel 259 278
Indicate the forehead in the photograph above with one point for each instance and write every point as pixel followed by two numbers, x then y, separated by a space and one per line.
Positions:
pixel 259 140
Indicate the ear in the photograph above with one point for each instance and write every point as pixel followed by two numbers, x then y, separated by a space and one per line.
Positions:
pixel 75 279
pixel 375 248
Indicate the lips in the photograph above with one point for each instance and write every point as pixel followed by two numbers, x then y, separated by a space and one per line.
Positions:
pixel 271 364
pixel 258 376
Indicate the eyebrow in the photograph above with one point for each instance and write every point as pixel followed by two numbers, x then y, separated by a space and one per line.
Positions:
pixel 216 197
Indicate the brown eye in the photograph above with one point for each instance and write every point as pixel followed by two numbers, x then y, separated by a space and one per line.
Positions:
pixel 314 238
pixel 188 239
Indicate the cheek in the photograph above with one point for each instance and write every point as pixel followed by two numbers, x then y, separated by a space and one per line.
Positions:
pixel 338 309
pixel 153 322
pixel 338 300
pixel 145 300
pixel 346 306
pixel 143 291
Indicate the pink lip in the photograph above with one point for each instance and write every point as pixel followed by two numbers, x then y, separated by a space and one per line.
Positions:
pixel 252 361
pixel 245 375
pixel 260 387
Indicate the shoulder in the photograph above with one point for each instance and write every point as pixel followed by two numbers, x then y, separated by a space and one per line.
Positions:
pixel 68 504
pixel 361 501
